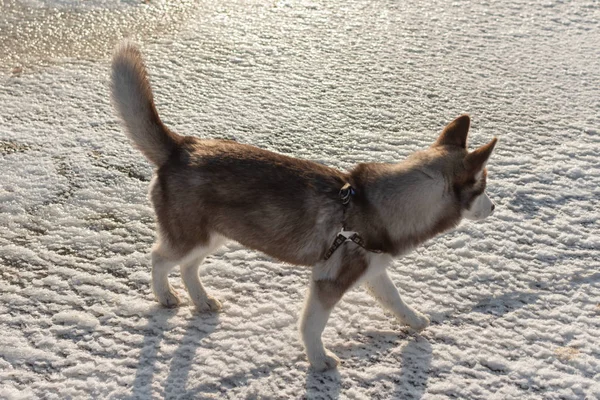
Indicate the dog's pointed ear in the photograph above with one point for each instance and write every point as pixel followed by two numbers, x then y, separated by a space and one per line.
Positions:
pixel 455 133
pixel 475 161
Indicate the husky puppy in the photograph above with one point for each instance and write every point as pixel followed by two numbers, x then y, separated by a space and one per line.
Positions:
pixel 348 226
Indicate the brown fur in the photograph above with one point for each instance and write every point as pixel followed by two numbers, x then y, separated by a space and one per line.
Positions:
pixel 353 264
pixel 270 202
pixel 455 133
pixel 265 201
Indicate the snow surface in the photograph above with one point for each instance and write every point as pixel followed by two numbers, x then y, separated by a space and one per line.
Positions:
pixel 514 300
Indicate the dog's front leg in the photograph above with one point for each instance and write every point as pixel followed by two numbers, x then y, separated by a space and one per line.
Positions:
pixel 382 288
pixel 316 312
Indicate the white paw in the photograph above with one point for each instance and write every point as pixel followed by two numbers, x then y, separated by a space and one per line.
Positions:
pixel 418 321
pixel 207 304
pixel 168 299
pixel 325 362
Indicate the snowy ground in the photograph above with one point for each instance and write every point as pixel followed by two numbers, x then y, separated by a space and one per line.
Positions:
pixel 514 300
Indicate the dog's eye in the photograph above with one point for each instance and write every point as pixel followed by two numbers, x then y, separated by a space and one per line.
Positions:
pixel 479 192
pixel 473 195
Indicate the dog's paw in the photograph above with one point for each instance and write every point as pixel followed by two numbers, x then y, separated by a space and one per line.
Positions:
pixel 418 321
pixel 168 299
pixel 325 362
pixel 207 304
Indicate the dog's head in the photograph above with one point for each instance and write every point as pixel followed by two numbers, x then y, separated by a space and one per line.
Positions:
pixel 466 171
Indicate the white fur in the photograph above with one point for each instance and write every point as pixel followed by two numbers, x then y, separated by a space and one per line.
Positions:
pixel 313 321
pixel 479 173
pixel 132 98
pixel 315 315
pixel 163 291
pixel 481 208
pixel 378 264
pixel 382 288
pixel 162 264
pixel 420 205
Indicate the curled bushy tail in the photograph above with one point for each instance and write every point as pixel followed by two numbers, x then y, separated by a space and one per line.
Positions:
pixel 132 98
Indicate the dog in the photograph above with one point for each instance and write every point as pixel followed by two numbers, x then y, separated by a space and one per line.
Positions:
pixel 347 226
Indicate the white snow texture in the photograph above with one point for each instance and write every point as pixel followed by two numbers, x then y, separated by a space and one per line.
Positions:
pixel 514 300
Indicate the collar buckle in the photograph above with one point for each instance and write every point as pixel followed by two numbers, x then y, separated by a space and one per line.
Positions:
pixel 346 193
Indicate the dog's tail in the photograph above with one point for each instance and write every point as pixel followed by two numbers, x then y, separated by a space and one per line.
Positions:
pixel 132 98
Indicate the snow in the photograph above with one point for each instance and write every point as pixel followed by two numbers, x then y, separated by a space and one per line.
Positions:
pixel 514 300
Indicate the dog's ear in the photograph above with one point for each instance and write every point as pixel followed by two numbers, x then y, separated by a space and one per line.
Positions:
pixel 475 161
pixel 455 133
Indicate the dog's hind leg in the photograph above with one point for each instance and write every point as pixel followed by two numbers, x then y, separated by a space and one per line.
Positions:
pixel 191 279
pixel 162 263
pixel 382 288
